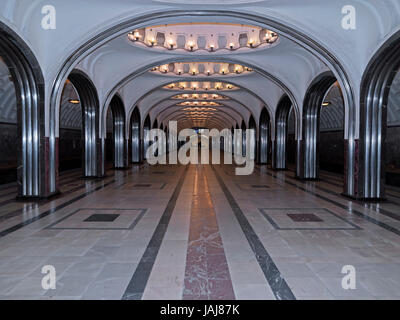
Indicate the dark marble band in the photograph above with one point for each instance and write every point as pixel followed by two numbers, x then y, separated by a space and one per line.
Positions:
pixel 271 272
pixel 137 284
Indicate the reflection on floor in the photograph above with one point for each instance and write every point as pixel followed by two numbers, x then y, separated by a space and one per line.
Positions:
pixel 199 232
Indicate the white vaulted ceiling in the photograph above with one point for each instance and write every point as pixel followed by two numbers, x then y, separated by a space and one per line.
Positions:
pixel 286 66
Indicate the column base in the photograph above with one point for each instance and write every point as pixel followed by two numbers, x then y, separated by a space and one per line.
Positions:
pixel 37 198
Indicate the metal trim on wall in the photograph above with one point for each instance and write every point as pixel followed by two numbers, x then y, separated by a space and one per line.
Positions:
pixel 264 136
pixel 135 136
pixel 29 88
pixel 281 133
pixel 375 88
pixel 120 156
pixel 309 158
pixel 146 135
pixel 243 127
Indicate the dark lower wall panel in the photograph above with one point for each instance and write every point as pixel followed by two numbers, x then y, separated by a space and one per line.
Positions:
pixel 393 156
pixel 70 149
pixel 8 152
pixel 331 151
pixel 109 147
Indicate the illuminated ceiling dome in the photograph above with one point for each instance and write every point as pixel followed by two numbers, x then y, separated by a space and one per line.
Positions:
pixel 201 69
pixel 199 103
pixel 196 96
pixel 201 86
pixel 204 37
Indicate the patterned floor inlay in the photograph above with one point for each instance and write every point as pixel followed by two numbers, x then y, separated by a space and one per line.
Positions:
pixel 306 219
pixel 100 219
pixel 207 275
pixel 258 187
pixel 267 236
pixel 145 185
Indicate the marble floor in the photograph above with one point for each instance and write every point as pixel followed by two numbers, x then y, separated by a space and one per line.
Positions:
pixel 199 232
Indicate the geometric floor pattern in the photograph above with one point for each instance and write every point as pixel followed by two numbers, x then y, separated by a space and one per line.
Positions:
pixel 200 233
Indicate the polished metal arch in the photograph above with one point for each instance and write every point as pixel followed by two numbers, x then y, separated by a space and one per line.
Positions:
pixel 309 147
pixel 243 127
pixel 92 158
pixel 155 126
pixel 120 143
pixel 375 88
pixel 32 176
pixel 279 158
pixel 264 136
pixel 136 140
pixel 146 132
pixel 253 125
pixel 270 22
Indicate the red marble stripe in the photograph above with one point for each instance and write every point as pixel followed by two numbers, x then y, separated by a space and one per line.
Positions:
pixel 207 275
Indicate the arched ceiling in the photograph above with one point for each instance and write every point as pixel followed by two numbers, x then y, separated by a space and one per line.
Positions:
pixel 287 65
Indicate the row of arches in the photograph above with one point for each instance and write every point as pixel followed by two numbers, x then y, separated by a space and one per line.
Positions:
pixel 37 153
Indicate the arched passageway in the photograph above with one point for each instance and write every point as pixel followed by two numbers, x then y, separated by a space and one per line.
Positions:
pixel 70 132
pixel 92 156
pixel 309 145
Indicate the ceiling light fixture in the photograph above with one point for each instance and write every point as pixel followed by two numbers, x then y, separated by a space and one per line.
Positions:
pixel 196 31
pixel 74 101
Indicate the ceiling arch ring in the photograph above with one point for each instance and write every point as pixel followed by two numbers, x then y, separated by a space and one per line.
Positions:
pixel 204 92
pixel 215 124
pixel 121 28
pixel 179 111
pixel 189 80
pixel 159 114
pixel 220 125
pixel 256 69
pixel 216 121
pixel 200 92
